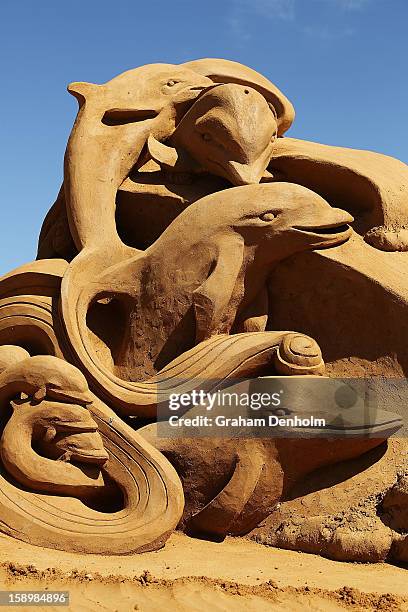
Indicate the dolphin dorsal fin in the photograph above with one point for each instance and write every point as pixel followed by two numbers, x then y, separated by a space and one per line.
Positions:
pixel 211 299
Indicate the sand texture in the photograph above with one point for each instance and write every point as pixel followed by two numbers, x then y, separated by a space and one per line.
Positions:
pixel 191 574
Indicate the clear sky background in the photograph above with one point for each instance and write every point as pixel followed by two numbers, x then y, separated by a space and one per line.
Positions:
pixel 343 63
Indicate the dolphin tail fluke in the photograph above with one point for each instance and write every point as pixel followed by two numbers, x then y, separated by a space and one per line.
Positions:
pixel 82 91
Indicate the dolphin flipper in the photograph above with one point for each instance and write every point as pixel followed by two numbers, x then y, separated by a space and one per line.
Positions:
pixel 255 317
pixel 211 299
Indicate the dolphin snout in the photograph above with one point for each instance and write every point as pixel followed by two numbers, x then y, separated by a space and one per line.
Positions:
pixel 85 447
pixel 321 225
pixel 240 174
pixel 326 218
pixel 192 92
pixel 249 173
pixel 341 216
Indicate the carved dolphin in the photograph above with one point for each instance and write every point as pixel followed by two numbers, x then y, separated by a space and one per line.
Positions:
pixel 112 126
pixel 232 484
pixel 54 416
pixel 229 132
pixel 197 281
pixel 110 131
pixel 62 448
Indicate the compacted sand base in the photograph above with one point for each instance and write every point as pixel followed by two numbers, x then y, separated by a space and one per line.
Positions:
pixel 190 574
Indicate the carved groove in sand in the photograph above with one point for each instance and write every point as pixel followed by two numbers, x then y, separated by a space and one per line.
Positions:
pixel 181 200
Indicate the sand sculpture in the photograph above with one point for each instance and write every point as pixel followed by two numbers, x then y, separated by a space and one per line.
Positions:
pixel 189 234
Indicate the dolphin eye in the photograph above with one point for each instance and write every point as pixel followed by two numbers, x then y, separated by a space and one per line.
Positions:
pixel 268 216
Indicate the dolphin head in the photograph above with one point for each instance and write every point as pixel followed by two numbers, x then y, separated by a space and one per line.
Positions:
pixel 141 93
pixel 45 376
pixel 229 131
pixel 289 217
pixel 66 431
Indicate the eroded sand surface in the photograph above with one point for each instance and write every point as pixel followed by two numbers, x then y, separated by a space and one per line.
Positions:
pixel 190 574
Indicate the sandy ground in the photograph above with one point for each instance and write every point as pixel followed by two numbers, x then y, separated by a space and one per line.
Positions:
pixel 190 574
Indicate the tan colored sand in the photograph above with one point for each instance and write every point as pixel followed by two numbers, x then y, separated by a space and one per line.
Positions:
pixel 190 574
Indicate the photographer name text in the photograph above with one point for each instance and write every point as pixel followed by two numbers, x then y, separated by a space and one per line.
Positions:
pixel 241 421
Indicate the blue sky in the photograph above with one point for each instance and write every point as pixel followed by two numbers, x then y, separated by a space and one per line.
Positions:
pixel 343 63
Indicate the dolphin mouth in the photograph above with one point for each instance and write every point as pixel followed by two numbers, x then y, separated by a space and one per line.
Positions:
pixel 189 94
pixel 201 89
pixel 325 236
pixel 204 88
pixel 324 230
pixel 96 456
pixel 77 427
pixel 69 397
